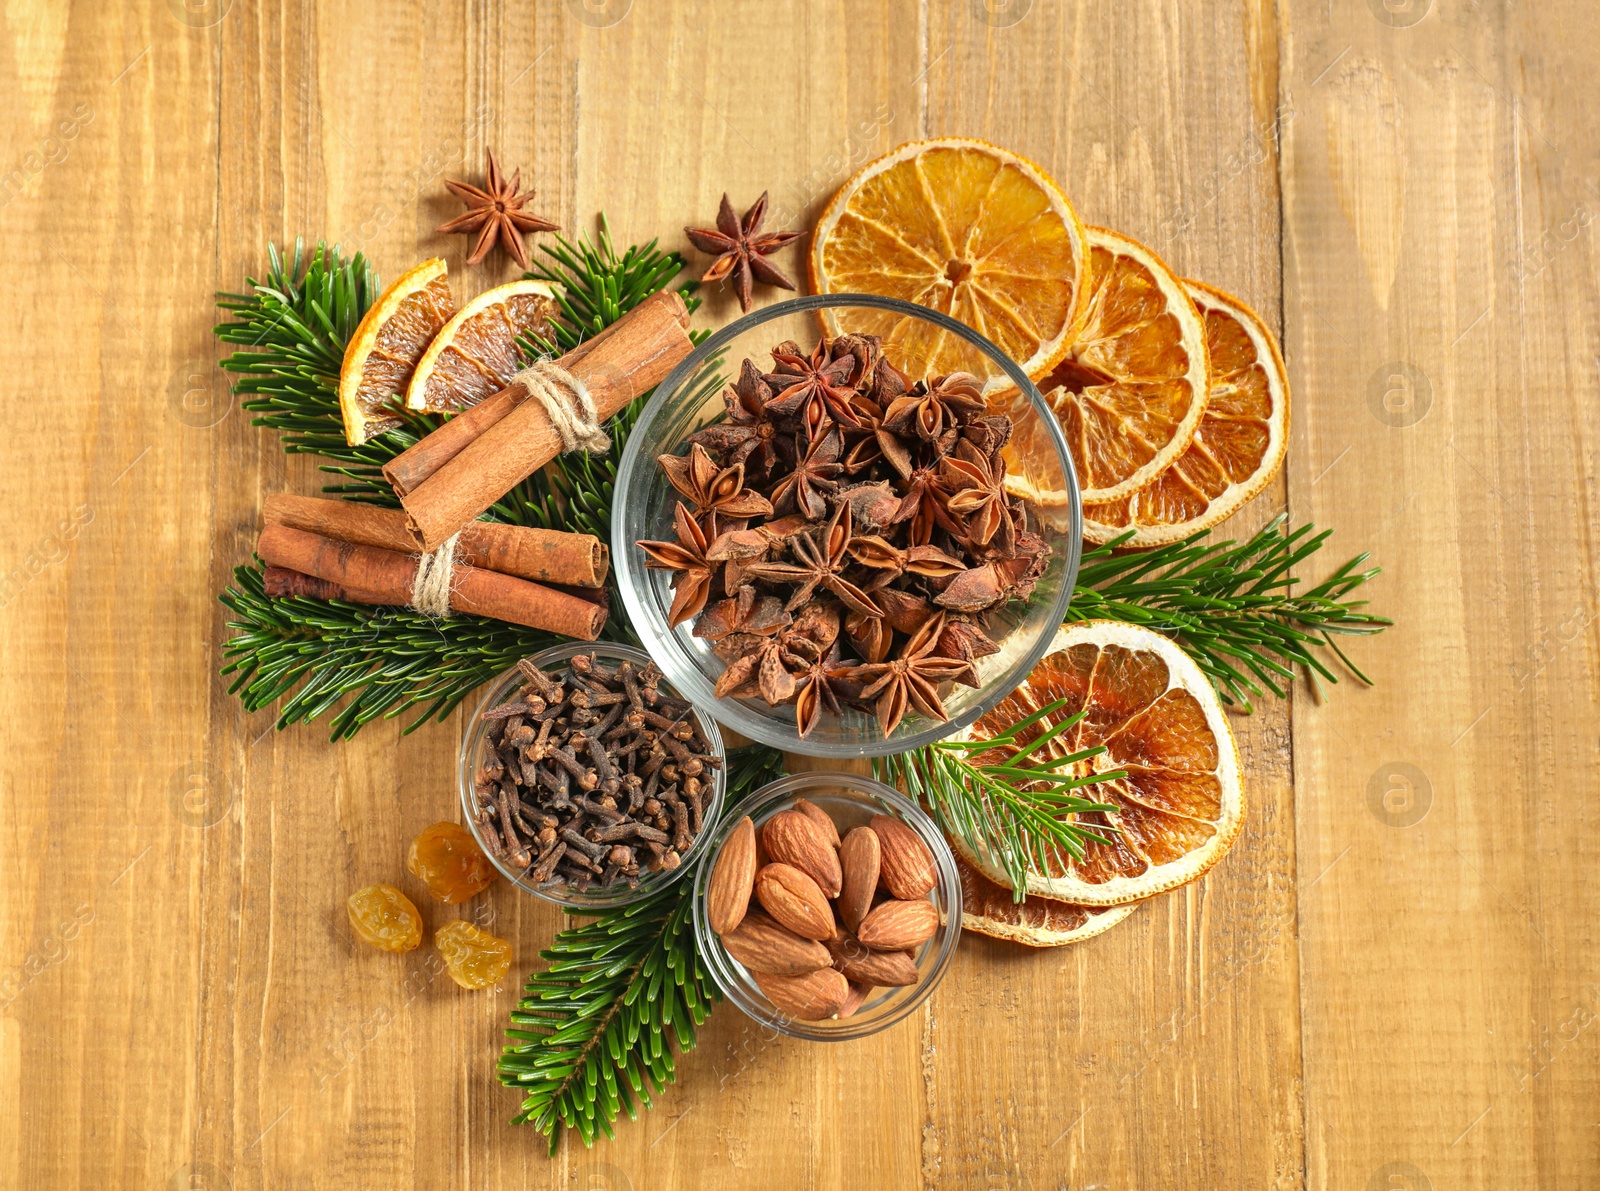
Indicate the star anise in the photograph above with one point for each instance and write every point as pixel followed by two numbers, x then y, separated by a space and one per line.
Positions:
pixel 691 583
pixel 821 684
pixel 890 562
pixel 976 484
pixel 983 587
pixel 911 680
pixel 804 488
pixel 964 641
pixel 749 435
pixel 741 249
pixel 871 635
pixel 496 211
pixel 943 406
pixel 870 440
pixel 761 668
pixel 747 612
pixel 713 489
pixel 923 505
pixel 822 557
pixel 812 389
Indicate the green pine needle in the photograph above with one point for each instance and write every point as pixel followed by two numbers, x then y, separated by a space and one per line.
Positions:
pixel 592 1032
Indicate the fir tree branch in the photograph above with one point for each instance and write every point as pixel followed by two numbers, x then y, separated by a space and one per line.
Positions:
pixel 591 1032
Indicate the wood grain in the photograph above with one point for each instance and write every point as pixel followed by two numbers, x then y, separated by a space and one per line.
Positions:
pixel 1389 982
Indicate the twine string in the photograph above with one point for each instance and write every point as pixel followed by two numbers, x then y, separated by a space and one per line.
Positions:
pixel 430 590
pixel 567 401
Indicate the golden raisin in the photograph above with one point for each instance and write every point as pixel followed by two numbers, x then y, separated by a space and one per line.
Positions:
pixel 475 958
pixel 449 861
pixel 385 917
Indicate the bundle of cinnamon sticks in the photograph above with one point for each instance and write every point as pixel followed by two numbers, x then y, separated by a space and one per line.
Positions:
pixel 544 579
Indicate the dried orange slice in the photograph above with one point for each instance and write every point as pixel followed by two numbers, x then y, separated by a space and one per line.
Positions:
pixel 1037 922
pixel 1131 388
pixel 968 229
pixel 391 337
pixel 475 353
pixel 1238 446
pixel 1180 805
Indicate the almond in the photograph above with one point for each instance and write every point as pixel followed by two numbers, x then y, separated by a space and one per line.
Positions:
pixel 861 964
pixel 761 945
pixel 859 857
pixel 790 837
pixel 858 995
pixel 795 901
pixel 907 864
pixel 820 817
pixel 897 925
pixel 810 997
pixel 728 892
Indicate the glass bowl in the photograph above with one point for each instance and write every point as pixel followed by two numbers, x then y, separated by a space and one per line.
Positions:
pixel 851 801
pixel 690 398
pixel 594 900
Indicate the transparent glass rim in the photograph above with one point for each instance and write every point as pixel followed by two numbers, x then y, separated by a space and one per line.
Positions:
pixel 740 990
pixel 663 643
pixel 649 883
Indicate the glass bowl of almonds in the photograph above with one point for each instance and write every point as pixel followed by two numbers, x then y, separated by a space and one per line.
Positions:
pixel 587 780
pixel 828 906
pixel 850 545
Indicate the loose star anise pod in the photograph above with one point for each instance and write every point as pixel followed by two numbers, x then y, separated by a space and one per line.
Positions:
pixel 945 405
pixel 923 506
pixel 976 484
pixel 870 635
pixel 812 390
pixel 741 249
pixel 762 669
pixel 804 488
pixel 749 435
pixel 496 211
pixel 964 641
pixel 821 684
pixel 687 556
pixel 871 441
pixel 911 680
pixel 713 489
pixel 890 562
pixel 822 557
pixel 747 612
pixel 872 506
pixel 985 586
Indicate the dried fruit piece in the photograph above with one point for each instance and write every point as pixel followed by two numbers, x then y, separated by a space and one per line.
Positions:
pixel 810 997
pixel 892 969
pixel 448 860
pixel 820 817
pixel 474 958
pixel 860 857
pixel 728 893
pixel 896 925
pixel 385 917
pixel 790 837
pixel 795 901
pixel 908 871
pixel 761 945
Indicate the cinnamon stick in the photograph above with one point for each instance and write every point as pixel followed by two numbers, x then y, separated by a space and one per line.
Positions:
pixel 279 582
pixel 543 555
pixel 386 576
pixel 409 468
pixel 646 344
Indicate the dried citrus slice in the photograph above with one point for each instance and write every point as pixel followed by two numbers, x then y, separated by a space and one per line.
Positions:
pixel 475 353
pixel 1180 805
pixel 1131 388
pixel 966 228
pixel 391 337
pixel 1238 446
pixel 1037 922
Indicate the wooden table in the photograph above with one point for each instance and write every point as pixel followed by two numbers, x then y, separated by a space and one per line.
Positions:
pixel 1390 982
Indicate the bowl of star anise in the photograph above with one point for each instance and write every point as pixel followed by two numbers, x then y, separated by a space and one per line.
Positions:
pixel 814 536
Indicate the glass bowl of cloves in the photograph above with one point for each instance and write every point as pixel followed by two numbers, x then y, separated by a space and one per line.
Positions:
pixel 587 779
pixel 848 523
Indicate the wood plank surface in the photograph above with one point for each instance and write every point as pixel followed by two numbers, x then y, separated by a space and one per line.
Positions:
pixel 1390 982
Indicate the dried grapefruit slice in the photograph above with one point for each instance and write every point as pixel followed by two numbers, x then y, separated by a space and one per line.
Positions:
pixel 475 353
pixel 963 227
pixel 1180 805
pixel 391 337
pixel 1038 922
pixel 1238 446
pixel 1130 390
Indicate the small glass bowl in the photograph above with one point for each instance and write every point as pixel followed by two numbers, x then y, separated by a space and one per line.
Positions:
pixel 851 801
pixel 690 398
pixel 594 900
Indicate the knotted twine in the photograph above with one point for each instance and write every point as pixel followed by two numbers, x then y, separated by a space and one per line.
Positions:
pixel 572 412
